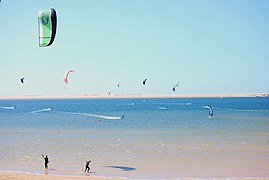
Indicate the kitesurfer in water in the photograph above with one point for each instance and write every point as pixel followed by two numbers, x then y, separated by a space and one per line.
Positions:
pixel 122 117
pixel 46 161
pixel 211 111
pixel 87 166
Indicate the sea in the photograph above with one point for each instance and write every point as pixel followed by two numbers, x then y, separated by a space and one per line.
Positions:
pixel 155 138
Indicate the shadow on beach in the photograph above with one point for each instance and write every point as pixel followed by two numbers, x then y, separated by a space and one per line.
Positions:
pixel 89 173
pixel 124 168
pixel 46 171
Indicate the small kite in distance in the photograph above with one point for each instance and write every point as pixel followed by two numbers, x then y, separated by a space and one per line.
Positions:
pixel 22 80
pixel 144 82
pixel 119 85
pixel 175 86
pixel 66 76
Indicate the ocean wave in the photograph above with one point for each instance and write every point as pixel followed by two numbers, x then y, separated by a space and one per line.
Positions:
pixel 7 107
pixel 242 110
pixel 98 116
pixel 176 103
pixel 186 104
pixel 166 103
pixel 131 104
pixel 42 110
pixel 127 104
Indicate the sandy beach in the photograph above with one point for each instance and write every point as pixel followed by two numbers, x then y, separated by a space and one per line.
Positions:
pixel 97 96
pixel 26 176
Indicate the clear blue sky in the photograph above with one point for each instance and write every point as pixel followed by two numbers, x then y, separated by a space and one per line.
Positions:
pixel 216 46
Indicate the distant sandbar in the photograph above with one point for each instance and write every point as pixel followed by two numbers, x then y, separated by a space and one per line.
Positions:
pixel 100 96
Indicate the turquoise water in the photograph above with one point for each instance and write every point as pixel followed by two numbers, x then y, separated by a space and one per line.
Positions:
pixel 157 138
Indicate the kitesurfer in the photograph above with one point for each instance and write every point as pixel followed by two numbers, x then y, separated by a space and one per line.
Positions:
pixel 87 166
pixel 122 117
pixel 210 111
pixel 46 161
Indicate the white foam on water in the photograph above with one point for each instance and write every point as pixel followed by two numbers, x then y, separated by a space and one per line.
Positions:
pixel 7 107
pixel 97 116
pixel 42 110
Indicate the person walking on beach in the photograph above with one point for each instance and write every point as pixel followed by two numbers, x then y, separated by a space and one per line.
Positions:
pixel 46 161
pixel 87 166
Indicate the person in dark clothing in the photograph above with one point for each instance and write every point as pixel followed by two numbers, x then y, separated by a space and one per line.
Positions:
pixel 87 166
pixel 46 161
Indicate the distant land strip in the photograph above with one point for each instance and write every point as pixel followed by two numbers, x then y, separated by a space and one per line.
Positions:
pixel 100 96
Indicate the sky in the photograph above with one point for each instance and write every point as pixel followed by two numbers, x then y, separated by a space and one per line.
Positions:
pixel 209 46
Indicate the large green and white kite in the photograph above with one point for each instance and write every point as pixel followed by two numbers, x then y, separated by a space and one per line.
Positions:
pixel 47 23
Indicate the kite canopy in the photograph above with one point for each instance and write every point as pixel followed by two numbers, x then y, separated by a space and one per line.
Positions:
pixel 175 86
pixel 22 80
pixel 210 110
pixel 66 76
pixel 144 82
pixel 47 23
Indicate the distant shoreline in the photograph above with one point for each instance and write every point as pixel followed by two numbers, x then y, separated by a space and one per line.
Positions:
pixel 114 96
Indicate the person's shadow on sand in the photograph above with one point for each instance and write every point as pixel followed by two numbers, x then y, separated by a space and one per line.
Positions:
pixel 46 171
pixel 89 173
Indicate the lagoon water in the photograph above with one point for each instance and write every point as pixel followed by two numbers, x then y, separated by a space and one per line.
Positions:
pixel 156 139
